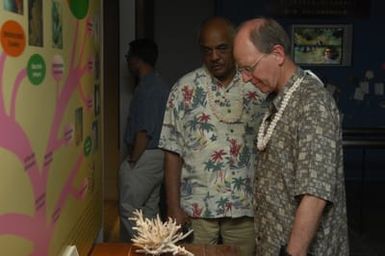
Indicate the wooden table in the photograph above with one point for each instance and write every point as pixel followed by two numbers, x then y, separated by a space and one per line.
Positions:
pixel 123 249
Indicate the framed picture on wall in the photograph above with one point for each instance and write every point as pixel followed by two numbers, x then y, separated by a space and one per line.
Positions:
pixel 322 45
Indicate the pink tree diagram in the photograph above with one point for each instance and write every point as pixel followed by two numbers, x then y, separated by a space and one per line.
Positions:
pixel 38 228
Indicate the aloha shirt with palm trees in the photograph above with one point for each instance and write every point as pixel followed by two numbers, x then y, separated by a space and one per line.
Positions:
pixel 213 128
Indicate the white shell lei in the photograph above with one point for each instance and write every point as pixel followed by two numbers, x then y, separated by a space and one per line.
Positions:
pixel 263 138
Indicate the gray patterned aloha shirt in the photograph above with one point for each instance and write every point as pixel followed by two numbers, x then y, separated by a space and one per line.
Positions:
pixel 219 156
pixel 303 156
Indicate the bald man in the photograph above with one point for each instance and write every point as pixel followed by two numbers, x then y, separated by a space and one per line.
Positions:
pixel 208 136
pixel 299 187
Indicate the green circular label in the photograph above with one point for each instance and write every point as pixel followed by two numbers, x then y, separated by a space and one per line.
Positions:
pixel 79 8
pixel 36 69
pixel 87 146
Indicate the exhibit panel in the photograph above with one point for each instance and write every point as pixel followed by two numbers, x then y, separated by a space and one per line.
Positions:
pixel 50 119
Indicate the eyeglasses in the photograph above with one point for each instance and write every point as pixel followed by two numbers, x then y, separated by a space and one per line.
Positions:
pixel 250 69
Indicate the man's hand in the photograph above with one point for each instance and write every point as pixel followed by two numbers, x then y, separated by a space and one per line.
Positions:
pixel 178 215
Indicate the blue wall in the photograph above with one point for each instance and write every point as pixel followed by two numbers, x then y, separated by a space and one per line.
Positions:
pixel 368 53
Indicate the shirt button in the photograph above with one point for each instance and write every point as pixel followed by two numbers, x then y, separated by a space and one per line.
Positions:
pixel 231 130
pixel 233 173
pixel 229 111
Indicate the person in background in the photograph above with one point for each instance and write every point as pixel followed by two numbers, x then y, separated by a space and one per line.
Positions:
pixel 208 137
pixel 299 186
pixel 141 173
pixel 331 55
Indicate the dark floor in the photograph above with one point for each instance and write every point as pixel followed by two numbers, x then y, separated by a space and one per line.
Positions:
pixel 366 215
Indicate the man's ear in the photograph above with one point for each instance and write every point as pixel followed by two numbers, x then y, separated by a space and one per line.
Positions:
pixel 278 53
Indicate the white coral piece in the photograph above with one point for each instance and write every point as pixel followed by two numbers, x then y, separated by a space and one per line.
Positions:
pixel 155 237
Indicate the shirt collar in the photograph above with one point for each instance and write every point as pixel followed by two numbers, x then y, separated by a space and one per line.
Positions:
pixel 276 98
pixel 215 83
pixel 148 76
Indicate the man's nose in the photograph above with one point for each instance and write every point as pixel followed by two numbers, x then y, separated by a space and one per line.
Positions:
pixel 214 55
pixel 246 77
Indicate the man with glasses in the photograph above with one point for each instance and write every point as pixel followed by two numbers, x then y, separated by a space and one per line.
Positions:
pixel 208 136
pixel 299 186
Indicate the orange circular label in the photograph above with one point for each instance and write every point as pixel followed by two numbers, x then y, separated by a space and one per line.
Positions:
pixel 12 38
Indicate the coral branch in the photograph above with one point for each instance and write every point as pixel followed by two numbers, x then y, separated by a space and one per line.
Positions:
pixel 155 237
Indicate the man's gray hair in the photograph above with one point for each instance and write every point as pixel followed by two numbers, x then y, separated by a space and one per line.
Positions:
pixel 267 35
